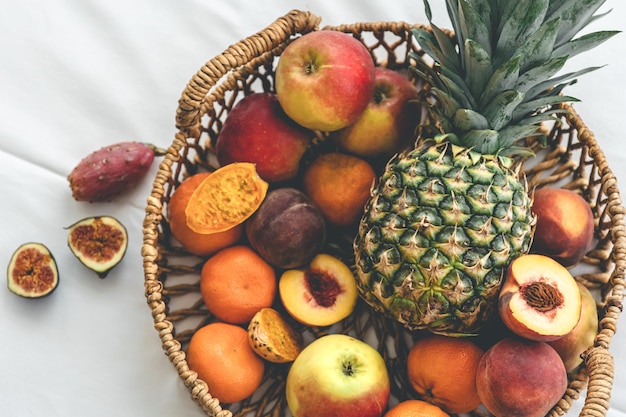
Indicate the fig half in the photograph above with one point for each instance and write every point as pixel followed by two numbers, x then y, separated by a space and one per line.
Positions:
pixel 32 271
pixel 98 242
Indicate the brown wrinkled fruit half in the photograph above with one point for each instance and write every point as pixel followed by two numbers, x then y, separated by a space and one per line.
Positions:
pixel 99 243
pixel 32 271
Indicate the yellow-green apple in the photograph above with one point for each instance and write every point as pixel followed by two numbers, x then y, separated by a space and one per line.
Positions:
pixel 257 130
pixel 338 375
pixel 539 298
pixel 388 123
pixel 565 225
pixel 571 346
pixel 518 377
pixel 325 79
pixel 321 294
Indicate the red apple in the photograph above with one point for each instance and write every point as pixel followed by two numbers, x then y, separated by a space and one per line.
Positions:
pixel 338 375
pixel 257 130
pixel 539 298
pixel 325 79
pixel 388 123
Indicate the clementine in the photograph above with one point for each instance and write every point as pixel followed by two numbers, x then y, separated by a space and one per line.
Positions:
pixel 415 408
pixel 442 370
pixel 339 184
pixel 196 243
pixel 236 283
pixel 222 357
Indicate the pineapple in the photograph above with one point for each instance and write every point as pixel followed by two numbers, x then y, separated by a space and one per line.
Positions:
pixel 447 217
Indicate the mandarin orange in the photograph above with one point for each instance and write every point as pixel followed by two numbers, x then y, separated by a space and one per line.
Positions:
pixel 339 184
pixel 415 408
pixel 236 283
pixel 222 357
pixel 442 370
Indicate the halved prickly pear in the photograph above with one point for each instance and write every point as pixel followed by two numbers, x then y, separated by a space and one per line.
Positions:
pixel 111 171
pixel 272 338
pixel 98 242
pixel 32 271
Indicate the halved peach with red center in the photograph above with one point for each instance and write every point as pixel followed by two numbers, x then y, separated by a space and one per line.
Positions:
pixel 539 299
pixel 321 294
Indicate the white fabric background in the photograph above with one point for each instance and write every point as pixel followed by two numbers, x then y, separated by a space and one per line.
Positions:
pixel 80 74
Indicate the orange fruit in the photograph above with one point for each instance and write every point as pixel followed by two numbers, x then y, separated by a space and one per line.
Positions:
pixel 226 198
pixel 222 357
pixel 339 184
pixel 236 283
pixel 197 243
pixel 415 408
pixel 442 369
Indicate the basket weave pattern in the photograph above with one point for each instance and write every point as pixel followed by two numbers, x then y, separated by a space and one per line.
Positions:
pixel 573 159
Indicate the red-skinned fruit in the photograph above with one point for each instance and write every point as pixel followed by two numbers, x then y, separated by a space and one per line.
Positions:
pixel 111 171
pixel 98 242
pixel 32 271
pixel 518 377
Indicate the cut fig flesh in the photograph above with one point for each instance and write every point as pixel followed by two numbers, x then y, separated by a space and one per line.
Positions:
pixel 98 242
pixel 32 271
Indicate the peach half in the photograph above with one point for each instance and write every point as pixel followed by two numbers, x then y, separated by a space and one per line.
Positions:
pixel 321 294
pixel 539 299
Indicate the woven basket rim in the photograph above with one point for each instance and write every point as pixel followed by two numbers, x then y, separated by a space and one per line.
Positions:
pixel 188 114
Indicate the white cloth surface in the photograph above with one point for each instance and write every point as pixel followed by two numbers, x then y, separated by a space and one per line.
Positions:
pixel 78 75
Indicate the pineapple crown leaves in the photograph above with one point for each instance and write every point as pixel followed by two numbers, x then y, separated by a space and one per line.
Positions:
pixel 499 76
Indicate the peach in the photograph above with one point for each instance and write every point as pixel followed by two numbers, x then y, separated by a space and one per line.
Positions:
pixel 539 298
pixel 571 346
pixel 288 229
pixel 321 294
pixel 565 225
pixel 518 377
pixel 257 130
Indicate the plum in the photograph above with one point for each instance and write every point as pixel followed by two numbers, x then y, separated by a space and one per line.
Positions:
pixel 288 229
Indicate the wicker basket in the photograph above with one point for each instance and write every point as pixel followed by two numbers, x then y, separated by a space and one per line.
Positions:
pixel 573 159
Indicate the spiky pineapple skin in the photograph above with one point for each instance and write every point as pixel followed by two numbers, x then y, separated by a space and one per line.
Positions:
pixel 437 236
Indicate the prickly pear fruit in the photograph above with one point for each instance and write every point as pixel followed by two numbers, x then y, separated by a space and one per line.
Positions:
pixel 32 271
pixel 111 171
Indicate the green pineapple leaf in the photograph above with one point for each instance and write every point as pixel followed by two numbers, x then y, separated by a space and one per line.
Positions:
pixel 428 42
pixel 557 82
pixel 513 133
pixel 500 110
pixel 538 48
pixel 478 67
pixel 534 106
pixel 474 27
pixel 545 116
pixel 525 19
pixel 484 141
pixel 584 43
pixel 539 74
pixel 466 119
pixel 575 15
pixel 447 103
pixel 503 78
